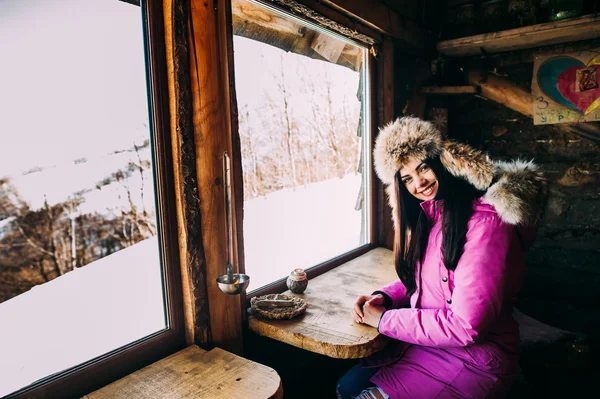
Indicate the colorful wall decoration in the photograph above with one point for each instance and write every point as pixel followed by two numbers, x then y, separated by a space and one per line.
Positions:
pixel 566 88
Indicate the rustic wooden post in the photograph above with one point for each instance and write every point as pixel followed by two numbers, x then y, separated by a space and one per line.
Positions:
pixel 199 57
pixel 212 132
pixel 191 251
pixel 385 114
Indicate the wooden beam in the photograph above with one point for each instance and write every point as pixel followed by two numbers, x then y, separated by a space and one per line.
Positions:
pixel 528 55
pixel 250 12
pixel 416 101
pixel 317 12
pixel 386 107
pixel 502 91
pixel 386 20
pixel 506 93
pixel 449 90
pixel 212 133
pixel 407 8
pixel 225 34
pixel 258 23
pixel 191 251
pixel 566 31
pixel 374 187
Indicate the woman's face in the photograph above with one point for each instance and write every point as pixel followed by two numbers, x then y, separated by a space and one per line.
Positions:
pixel 419 179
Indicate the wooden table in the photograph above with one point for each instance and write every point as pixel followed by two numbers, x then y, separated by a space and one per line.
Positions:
pixel 327 326
pixel 196 373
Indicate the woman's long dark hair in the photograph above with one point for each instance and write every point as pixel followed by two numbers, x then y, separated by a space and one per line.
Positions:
pixel 412 226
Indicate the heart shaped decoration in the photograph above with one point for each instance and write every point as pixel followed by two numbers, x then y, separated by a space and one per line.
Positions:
pixel 571 83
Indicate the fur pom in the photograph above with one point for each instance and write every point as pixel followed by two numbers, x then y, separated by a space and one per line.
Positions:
pixel 402 139
pixel 519 194
pixel 468 163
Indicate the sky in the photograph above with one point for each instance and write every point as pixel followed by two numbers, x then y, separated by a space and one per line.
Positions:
pixel 72 81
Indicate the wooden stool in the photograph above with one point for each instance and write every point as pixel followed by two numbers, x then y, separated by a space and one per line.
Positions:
pixel 196 373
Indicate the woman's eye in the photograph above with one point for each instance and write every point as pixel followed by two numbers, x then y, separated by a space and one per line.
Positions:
pixel 406 181
pixel 424 168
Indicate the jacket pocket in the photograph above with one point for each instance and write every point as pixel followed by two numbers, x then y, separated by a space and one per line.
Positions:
pixel 481 355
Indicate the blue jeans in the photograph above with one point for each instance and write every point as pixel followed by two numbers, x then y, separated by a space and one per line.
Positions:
pixel 354 381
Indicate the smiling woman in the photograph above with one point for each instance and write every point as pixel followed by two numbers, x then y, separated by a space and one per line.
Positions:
pixel 419 179
pixel 84 225
pixel 459 255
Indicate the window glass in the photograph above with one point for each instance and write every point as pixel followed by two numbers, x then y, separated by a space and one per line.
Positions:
pixel 80 270
pixel 301 105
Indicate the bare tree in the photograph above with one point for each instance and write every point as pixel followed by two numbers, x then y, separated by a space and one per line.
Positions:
pixel 287 117
pixel 283 147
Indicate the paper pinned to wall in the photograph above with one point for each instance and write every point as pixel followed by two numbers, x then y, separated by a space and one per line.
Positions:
pixel 566 88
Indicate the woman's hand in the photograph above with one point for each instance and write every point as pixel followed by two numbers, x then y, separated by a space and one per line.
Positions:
pixel 372 314
pixel 371 300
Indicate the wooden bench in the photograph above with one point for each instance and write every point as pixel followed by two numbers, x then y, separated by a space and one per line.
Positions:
pixel 196 373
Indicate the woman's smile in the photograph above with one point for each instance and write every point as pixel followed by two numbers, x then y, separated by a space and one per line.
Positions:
pixel 419 179
pixel 430 191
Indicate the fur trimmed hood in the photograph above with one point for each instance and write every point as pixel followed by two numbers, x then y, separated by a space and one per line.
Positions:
pixel 517 189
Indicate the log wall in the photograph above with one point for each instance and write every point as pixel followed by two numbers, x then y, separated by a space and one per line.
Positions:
pixel 564 263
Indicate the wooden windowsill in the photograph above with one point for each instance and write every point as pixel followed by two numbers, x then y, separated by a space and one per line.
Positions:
pixel 327 326
pixel 565 31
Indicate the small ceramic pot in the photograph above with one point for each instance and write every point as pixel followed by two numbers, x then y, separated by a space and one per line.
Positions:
pixel 297 281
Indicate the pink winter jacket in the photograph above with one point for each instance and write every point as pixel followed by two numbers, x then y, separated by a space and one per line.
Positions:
pixel 473 303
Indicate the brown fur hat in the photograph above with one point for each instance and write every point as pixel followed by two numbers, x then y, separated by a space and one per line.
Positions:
pixel 402 139
pixel 517 190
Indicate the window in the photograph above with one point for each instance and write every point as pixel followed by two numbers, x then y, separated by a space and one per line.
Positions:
pixel 85 269
pixel 302 100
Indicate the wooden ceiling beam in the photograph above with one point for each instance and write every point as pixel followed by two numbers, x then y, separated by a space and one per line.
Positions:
pixel 246 11
pixel 449 90
pixel 380 17
pixel 528 55
pixel 556 32
pixel 258 23
pixel 507 93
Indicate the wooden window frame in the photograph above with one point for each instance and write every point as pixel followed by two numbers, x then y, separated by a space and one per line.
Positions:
pixel 205 121
pixel 379 108
pixel 87 377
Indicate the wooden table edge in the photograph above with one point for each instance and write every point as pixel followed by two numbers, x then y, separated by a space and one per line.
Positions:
pixel 336 351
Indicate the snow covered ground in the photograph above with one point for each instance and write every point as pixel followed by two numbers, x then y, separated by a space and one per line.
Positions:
pixel 81 315
pixel 300 227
